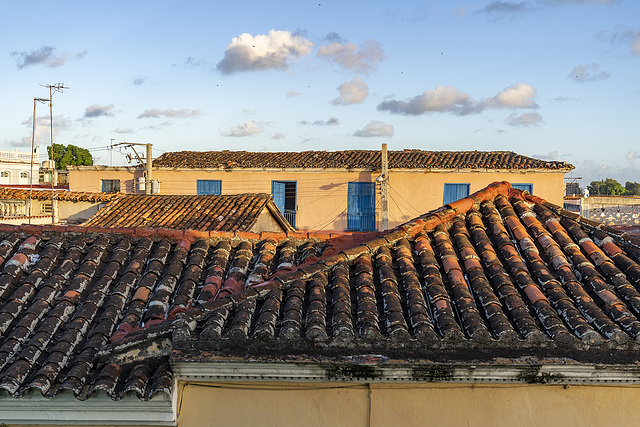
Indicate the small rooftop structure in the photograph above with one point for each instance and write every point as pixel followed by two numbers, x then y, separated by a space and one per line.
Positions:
pixel 245 212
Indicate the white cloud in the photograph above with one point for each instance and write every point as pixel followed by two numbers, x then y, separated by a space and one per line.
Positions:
pixel 123 130
pixel 97 110
pixel 43 129
pixel 588 73
pixel 451 100
pixel 520 95
pixel 631 156
pixel 442 98
pixel 293 94
pixel 332 121
pixel 245 129
pixel 635 44
pixel 353 92
pixel 139 81
pixel 45 56
pixel 278 135
pixel 552 155
pixel 524 119
pixel 375 129
pixel 157 113
pixel 362 58
pixel 263 52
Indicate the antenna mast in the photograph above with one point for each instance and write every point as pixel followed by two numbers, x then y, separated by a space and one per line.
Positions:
pixel 57 87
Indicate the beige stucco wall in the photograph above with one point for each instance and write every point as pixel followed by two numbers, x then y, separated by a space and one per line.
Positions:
pixel 322 194
pixel 383 405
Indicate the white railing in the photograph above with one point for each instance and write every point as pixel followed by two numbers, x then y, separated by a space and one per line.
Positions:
pixel 17 155
pixel 11 209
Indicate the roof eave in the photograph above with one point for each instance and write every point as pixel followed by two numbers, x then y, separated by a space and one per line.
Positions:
pixel 428 372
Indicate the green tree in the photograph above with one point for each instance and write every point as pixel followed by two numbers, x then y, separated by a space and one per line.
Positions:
pixel 64 155
pixel 609 187
pixel 632 187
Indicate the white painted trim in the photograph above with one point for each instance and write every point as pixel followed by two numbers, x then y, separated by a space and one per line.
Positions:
pixel 65 409
pixel 421 373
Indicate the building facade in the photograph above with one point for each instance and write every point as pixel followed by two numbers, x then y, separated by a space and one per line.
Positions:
pixel 341 190
pixel 19 167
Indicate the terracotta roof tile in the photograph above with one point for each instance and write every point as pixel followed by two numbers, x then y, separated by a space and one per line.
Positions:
pixel 203 213
pixel 506 276
pixel 44 194
pixel 64 295
pixel 355 159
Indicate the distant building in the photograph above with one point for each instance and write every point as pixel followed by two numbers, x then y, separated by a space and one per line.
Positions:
pixel 337 190
pixel 37 205
pixel 17 167
pixel 610 210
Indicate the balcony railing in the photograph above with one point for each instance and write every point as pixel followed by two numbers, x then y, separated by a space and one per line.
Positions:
pixel 290 216
pixel 12 209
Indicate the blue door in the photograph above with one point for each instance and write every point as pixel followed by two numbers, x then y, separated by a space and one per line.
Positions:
pixel 284 196
pixel 453 192
pixel 361 209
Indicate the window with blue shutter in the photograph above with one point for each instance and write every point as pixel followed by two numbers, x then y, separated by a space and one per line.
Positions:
pixel 284 196
pixel 361 208
pixel 453 192
pixel 210 186
pixel 524 187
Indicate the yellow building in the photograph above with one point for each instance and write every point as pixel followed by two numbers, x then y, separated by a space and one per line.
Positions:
pixel 319 190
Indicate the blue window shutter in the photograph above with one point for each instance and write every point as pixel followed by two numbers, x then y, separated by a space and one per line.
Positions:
pixel 453 192
pixel 209 186
pixel 524 187
pixel 277 190
pixel 361 208
pixel 284 196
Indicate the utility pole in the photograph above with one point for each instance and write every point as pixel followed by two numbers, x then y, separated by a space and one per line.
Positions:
pixel 148 182
pixel 384 187
pixel 148 161
pixel 33 140
pixel 57 87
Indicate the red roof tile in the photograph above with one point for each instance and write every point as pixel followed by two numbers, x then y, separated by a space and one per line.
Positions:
pixel 500 276
pixel 45 194
pixel 356 159
pixel 203 213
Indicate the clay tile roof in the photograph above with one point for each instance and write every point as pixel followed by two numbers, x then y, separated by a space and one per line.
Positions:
pixel 356 159
pixel 45 194
pixel 499 276
pixel 204 213
pixel 64 295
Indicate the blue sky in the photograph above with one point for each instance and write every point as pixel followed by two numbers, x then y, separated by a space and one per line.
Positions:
pixel 552 79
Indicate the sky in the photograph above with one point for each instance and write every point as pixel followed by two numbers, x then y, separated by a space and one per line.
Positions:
pixel 550 79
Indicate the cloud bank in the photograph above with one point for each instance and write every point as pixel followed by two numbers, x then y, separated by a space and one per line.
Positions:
pixel 450 100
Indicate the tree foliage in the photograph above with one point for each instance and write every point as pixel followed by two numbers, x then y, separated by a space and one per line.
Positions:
pixel 64 155
pixel 607 187
pixel 633 188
